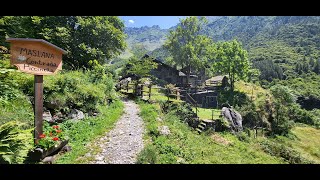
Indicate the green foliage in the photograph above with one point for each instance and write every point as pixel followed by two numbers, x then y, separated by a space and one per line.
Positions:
pixel 300 115
pixel 306 141
pixel 187 47
pixel 83 132
pixel 52 136
pixel 185 146
pixel 232 59
pixel 287 153
pixel 234 98
pixel 148 155
pixel 14 143
pixel 77 89
pixel 141 67
pixel 269 70
pixel 149 114
pixel 306 85
pixel 14 104
pixel 283 94
pixel 83 37
pixel 281 124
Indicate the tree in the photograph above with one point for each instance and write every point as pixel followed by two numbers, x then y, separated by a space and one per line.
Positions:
pixel 140 67
pixel 232 59
pixel 316 67
pixel 311 63
pixel 283 98
pixel 187 47
pixel 85 38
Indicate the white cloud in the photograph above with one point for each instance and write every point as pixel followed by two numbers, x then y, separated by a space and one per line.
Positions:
pixel 131 21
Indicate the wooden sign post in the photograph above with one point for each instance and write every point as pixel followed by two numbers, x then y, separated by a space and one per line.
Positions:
pixel 38 57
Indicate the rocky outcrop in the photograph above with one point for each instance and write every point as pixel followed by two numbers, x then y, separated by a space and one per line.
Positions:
pixel 76 115
pixel 233 118
pixel 47 116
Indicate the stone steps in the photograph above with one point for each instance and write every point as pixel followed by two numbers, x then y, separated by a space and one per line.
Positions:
pixel 204 125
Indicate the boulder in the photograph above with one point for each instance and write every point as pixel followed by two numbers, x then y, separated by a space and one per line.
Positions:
pixel 76 115
pixel 47 116
pixel 233 117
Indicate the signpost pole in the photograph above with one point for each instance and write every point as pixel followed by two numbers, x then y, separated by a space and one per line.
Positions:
pixel 38 57
pixel 38 106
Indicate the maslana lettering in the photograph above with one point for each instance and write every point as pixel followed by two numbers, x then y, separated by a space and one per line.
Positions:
pixel 36 53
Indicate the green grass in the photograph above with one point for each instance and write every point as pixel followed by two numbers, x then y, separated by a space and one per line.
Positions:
pixel 19 109
pixel 204 113
pixel 157 96
pixel 254 92
pixel 184 145
pixel 86 131
pixel 307 142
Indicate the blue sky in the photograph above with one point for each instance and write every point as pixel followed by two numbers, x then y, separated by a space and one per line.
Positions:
pixel 164 22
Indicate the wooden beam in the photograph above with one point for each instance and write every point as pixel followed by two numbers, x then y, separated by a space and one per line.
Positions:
pixel 38 106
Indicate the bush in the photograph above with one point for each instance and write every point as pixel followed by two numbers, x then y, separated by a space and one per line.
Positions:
pixel 280 150
pixel 301 115
pixel 14 104
pixel 76 90
pixel 14 143
pixel 148 155
pixel 234 98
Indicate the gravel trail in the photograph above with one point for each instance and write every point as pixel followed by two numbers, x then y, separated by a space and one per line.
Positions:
pixel 123 143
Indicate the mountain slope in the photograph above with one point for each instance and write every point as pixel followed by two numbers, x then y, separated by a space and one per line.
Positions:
pixel 281 39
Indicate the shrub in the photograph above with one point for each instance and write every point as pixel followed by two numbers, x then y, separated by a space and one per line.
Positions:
pixel 280 150
pixel 148 155
pixel 76 89
pixel 300 115
pixel 14 143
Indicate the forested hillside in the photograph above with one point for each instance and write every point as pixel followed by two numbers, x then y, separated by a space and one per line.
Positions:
pixel 281 47
pixel 278 38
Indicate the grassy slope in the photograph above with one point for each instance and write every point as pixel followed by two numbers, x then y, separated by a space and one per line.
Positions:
pixel 86 131
pixel 253 91
pixel 184 145
pixel 18 109
pixel 307 142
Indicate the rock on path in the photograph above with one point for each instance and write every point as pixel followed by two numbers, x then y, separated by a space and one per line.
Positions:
pixel 122 144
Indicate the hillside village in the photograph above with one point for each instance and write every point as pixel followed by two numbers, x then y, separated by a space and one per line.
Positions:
pixel 196 93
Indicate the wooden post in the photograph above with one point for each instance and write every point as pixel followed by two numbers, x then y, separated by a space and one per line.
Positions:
pixel 127 86
pixel 150 91
pixel 37 57
pixel 141 90
pixel 212 115
pixel 38 106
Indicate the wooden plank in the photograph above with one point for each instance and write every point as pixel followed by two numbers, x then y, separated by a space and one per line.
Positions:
pixel 35 57
pixel 38 106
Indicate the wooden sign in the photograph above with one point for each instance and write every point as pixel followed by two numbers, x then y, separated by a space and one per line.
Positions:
pixel 38 57
pixel 35 56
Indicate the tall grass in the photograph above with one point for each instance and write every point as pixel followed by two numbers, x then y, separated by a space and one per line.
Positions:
pixel 86 131
pixel 184 145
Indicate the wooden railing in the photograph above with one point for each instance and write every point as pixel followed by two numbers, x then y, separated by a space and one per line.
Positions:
pixel 192 102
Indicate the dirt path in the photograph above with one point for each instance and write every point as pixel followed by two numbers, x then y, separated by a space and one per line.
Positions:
pixel 122 144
